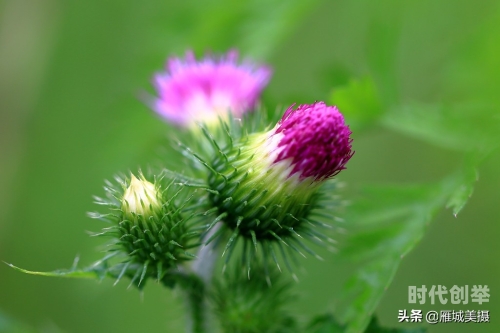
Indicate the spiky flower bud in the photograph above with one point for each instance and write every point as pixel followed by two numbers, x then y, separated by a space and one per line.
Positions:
pixel 150 229
pixel 265 186
pixel 252 304
pixel 141 198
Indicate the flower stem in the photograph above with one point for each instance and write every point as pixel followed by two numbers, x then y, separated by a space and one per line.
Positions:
pixel 194 289
pixel 196 303
pixel 194 284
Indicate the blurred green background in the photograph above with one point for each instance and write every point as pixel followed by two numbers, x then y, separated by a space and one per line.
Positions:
pixel 71 73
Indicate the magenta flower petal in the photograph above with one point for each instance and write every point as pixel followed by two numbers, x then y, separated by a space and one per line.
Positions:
pixel 190 91
pixel 314 139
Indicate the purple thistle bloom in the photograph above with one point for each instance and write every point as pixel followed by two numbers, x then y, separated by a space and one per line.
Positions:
pixel 191 90
pixel 314 139
pixel 266 187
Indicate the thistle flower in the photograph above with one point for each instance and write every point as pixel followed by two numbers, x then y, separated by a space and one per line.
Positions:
pixel 314 140
pixel 150 230
pixel 191 91
pixel 267 187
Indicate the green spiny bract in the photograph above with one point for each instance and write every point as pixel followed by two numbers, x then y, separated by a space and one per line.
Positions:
pixel 152 231
pixel 256 200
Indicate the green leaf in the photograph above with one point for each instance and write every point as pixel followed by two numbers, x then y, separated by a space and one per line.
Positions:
pixel 92 272
pixel 474 129
pixel 467 177
pixel 359 102
pixel 457 127
pixel 106 267
pixel 386 224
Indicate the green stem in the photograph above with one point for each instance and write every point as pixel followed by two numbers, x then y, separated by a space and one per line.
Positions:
pixel 194 284
pixel 197 307
pixel 194 287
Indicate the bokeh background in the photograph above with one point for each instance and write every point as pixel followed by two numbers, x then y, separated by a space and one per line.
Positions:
pixel 71 73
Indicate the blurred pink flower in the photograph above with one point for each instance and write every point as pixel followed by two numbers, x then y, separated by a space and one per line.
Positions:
pixel 190 91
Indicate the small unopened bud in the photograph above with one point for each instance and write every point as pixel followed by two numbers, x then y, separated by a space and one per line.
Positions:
pixel 151 230
pixel 141 198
